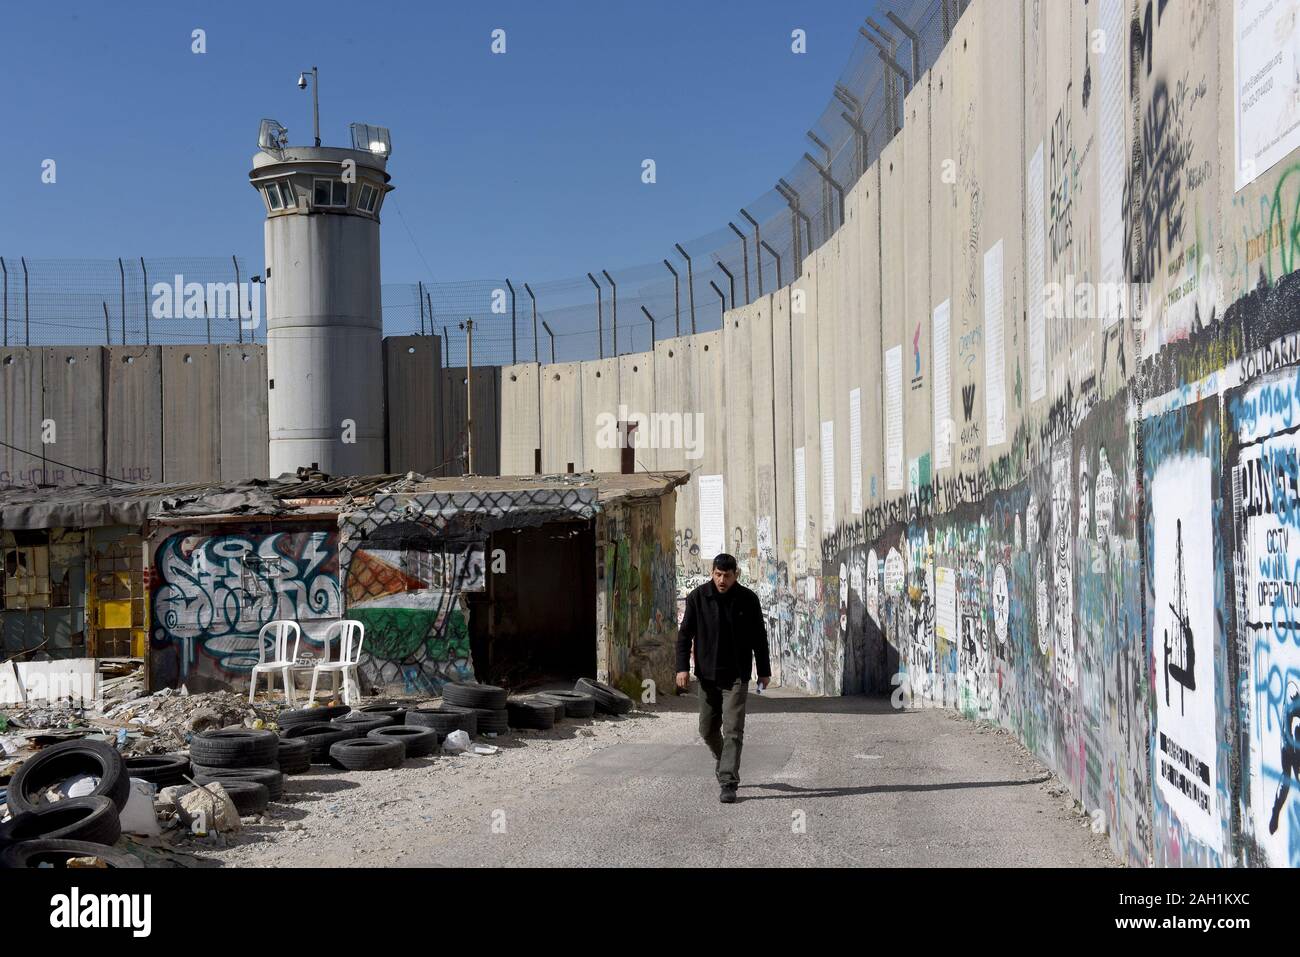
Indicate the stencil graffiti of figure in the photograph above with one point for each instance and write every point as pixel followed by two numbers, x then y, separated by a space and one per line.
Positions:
pixel 1290 753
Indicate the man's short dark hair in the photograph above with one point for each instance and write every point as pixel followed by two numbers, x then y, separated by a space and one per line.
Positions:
pixel 724 562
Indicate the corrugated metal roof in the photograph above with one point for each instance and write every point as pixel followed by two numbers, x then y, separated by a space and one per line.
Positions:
pixel 92 506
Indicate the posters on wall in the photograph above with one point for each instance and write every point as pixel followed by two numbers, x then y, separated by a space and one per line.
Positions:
pixel 828 476
pixel 855 451
pixel 941 331
pixel 995 387
pixel 1035 250
pixel 1266 499
pixel 1062 581
pixel 1266 83
pixel 1182 644
pixel 873 586
pixel 894 418
pixel 945 604
pixel 713 534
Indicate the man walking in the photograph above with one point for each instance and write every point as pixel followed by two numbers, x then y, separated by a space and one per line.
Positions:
pixel 725 622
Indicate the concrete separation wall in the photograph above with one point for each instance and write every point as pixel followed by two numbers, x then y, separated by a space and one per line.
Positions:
pixel 1057 511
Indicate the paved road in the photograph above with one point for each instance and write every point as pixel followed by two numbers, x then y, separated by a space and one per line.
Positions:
pixel 832 782
pixel 837 782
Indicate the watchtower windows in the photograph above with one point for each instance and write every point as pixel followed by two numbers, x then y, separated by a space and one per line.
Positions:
pixel 366 201
pixel 330 192
pixel 279 195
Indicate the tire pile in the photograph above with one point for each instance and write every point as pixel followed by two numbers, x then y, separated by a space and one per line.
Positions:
pixel 43 833
pixel 251 764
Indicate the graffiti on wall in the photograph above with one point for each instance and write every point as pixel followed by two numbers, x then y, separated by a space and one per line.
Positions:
pixel 1266 507
pixel 212 593
pixel 1186 613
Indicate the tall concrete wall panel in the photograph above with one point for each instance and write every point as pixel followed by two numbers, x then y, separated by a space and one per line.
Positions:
pixel 479 400
pixel 600 436
pixel 741 422
pixel 918 415
pixel 191 413
pixel 783 502
pixel 244 449
pixel 867 351
pixel 945 401
pixel 636 395
pixel 133 413
pixel 562 417
pixel 22 455
pixel 521 418
pixel 412 403
pixel 73 417
pixel 765 505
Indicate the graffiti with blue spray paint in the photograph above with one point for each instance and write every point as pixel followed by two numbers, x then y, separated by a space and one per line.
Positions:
pixel 212 593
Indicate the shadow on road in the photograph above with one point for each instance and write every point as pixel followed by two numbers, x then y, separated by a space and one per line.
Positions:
pixel 779 701
pixel 794 791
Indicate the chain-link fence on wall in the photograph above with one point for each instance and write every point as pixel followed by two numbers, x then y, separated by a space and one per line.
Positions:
pixel 608 311
pixel 600 311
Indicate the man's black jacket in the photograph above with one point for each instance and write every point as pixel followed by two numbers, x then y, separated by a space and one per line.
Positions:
pixel 700 623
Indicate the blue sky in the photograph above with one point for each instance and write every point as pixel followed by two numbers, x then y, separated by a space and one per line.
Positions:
pixel 526 164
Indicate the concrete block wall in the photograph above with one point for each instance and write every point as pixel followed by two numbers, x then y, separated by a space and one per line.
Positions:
pixel 73 415
pixel 1048 514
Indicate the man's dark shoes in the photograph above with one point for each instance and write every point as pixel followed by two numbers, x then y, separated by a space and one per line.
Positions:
pixel 728 795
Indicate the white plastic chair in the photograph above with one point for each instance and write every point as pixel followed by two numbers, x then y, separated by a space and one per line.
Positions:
pixel 276 634
pixel 351 634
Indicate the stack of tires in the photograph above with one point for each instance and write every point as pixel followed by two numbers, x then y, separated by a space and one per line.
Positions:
pixel 160 770
pixel 444 719
pixel 488 702
pixel 318 737
pixel 608 700
pixel 394 711
pixel 577 704
pixel 557 706
pixel 530 712
pixel 42 834
pixel 418 742
pixel 246 763
pixel 362 723
pixel 296 716
pixel 367 754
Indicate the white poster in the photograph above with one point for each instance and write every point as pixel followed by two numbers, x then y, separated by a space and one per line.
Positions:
pixel 855 451
pixel 713 525
pixel 945 603
pixel 1266 497
pixel 1111 159
pixel 1035 278
pixel 894 418
pixel 800 501
pixel 1182 644
pixel 1062 558
pixel 828 477
pixel 895 575
pixel 1266 79
pixel 873 586
pixel 995 386
pixel 941 370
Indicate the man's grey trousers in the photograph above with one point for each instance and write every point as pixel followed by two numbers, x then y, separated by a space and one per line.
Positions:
pixel 722 725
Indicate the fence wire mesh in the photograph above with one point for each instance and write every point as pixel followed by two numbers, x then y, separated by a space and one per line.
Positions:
pixel 595 313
